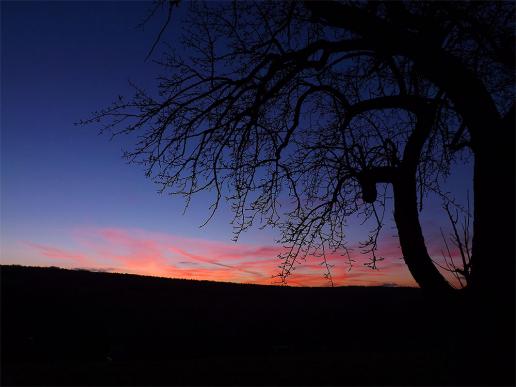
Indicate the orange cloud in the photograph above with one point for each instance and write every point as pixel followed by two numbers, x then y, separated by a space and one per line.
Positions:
pixel 159 254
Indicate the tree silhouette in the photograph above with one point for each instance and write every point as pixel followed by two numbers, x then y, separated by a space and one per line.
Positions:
pixel 296 112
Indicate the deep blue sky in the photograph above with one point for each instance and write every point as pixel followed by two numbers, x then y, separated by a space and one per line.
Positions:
pixel 60 62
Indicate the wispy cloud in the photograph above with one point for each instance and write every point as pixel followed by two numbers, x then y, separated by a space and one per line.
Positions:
pixel 60 255
pixel 152 253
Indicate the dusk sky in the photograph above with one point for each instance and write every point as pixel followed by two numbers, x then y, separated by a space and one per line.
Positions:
pixel 68 199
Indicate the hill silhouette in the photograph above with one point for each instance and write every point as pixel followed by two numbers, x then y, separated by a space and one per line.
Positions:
pixel 66 327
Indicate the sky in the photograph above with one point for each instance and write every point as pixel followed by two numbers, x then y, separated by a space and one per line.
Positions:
pixel 68 199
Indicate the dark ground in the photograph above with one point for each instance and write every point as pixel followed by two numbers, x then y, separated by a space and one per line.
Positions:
pixel 61 327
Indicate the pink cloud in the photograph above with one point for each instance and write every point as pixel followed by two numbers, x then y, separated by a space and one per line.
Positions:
pixel 160 254
pixel 60 254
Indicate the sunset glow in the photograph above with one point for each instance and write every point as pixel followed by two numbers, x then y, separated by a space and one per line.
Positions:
pixel 165 255
pixel 69 200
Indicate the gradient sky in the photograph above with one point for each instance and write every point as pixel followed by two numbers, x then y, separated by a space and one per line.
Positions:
pixel 68 199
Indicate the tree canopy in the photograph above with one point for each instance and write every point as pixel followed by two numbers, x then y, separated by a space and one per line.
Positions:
pixel 301 113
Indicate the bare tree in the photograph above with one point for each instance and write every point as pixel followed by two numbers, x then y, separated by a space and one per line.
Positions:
pixel 466 49
pixel 296 111
pixel 460 239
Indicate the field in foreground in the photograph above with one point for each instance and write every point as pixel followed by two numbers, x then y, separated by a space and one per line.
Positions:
pixel 62 327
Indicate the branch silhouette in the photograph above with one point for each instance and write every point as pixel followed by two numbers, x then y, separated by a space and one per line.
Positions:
pixel 296 112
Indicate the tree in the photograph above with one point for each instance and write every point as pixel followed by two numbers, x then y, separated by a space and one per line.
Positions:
pixel 466 49
pixel 320 103
pixel 461 240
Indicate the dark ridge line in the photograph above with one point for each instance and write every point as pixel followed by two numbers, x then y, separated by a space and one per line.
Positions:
pixel 192 281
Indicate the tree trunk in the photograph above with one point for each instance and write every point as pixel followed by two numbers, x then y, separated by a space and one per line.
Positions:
pixel 411 237
pixel 493 253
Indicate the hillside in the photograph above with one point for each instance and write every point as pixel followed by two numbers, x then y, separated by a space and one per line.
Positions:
pixel 62 327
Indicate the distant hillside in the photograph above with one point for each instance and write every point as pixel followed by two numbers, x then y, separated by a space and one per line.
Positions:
pixel 65 327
